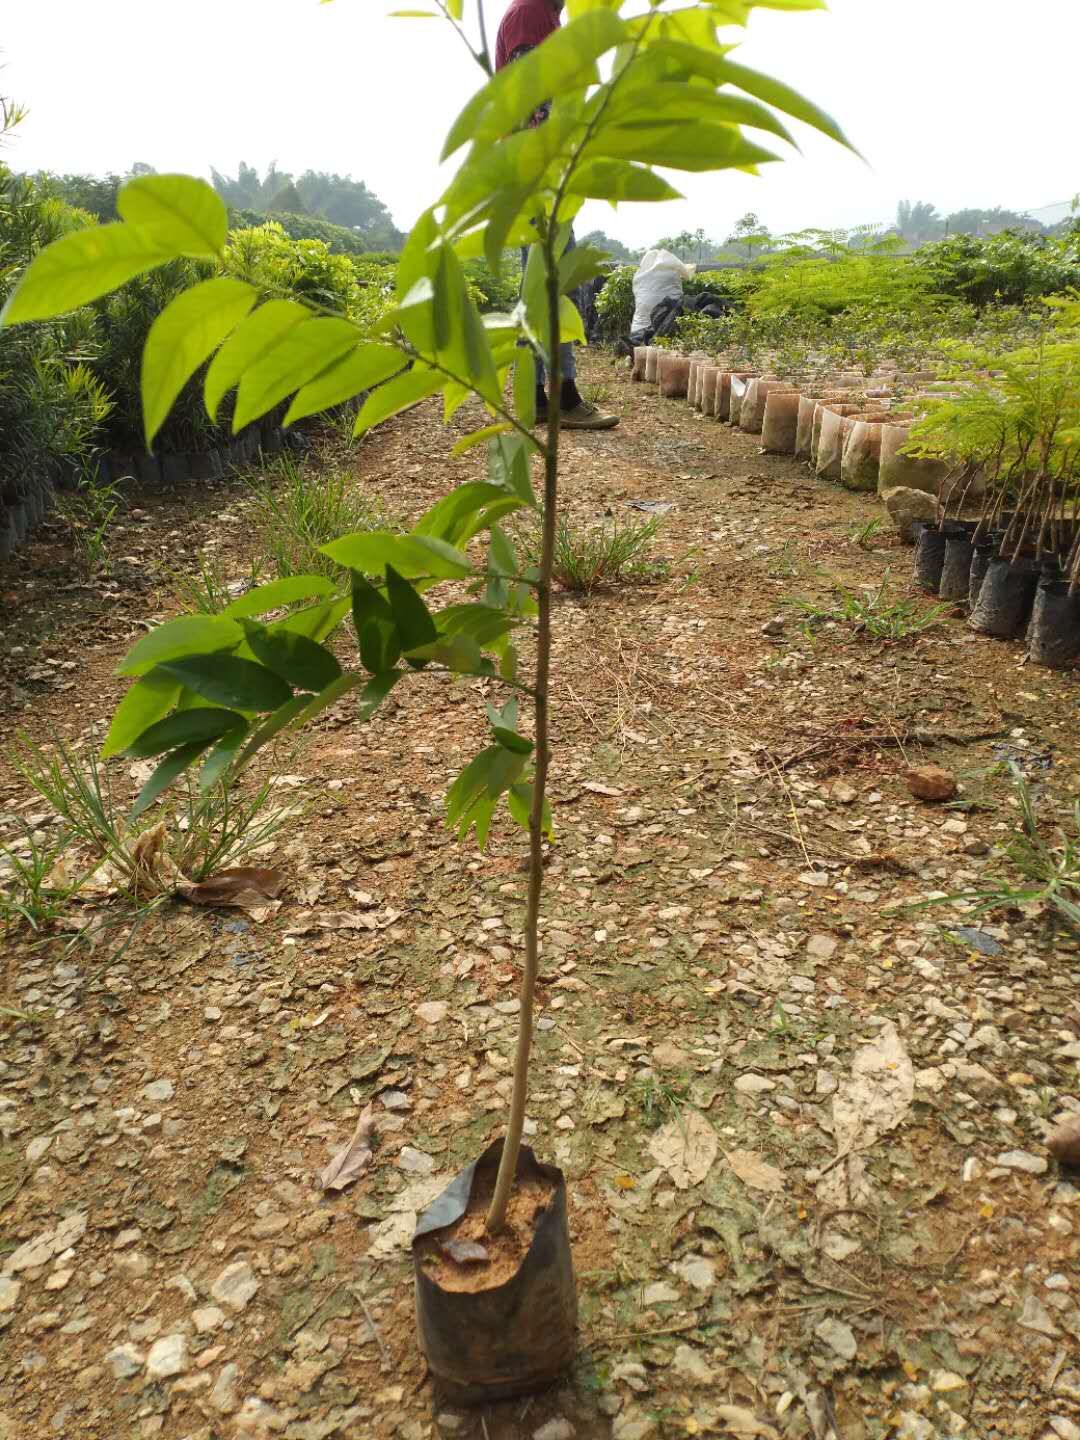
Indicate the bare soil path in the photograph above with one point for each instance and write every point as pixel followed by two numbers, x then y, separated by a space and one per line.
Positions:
pixel 803 1123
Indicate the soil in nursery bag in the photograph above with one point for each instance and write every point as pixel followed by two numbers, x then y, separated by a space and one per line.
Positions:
pixel 1006 598
pixel 956 569
pixel 981 555
pixel 929 557
pixel 1054 632
pixel 496 1314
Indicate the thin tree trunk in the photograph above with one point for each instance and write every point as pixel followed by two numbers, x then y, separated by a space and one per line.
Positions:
pixel 496 1216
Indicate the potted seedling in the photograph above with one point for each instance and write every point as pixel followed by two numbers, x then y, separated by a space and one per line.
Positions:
pixel 495 1291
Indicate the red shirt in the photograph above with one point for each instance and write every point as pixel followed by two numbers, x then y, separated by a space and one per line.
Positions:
pixel 525 25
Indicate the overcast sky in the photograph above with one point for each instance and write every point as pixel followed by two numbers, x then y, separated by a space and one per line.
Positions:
pixel 960 102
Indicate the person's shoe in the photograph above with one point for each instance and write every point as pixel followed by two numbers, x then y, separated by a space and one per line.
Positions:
pixel 585 416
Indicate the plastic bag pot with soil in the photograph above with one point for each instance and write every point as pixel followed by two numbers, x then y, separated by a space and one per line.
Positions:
pixel 722 409
pixel 804 429
pixel 641 353
pixel 652 358
pixel 708 389
pixel 895 469
pixel 758 391
pixel 835 428
pixel 1054 632
pixel 780 423
pixel 955 582
pixel 981 555
pixel 1005 598
pixel 512 1330
pixel 862 454
pixel 930 544
pixel 674 375
pixel 693 384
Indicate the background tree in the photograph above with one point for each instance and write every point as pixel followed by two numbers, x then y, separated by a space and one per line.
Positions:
pixel 918 221
pixel 600 240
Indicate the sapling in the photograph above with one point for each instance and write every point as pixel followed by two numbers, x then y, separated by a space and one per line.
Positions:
pixel 630 92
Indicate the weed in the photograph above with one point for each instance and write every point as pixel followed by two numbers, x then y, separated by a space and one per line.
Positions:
pixel 864 535
pixel 1051 872
pixel 597 393
pixel 209 591
pixel 213 829
pixel 32 886
pixel 872 613
pixel 89 514
pixel 299 508
pixel 784 567
pixel 659 1100
pixel 600 557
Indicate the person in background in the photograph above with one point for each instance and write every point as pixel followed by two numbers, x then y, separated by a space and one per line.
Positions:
pixel 526 24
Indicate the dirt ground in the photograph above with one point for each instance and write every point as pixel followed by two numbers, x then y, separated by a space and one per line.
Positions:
pixel 802 1123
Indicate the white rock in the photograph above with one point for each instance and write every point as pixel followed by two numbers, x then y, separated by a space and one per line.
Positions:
pixel 9 1294
pixel 1063 1427
pixel 753 1084
pixel 158 1090
pixel 661 1293
pixel 691 1365
pixel 236 1286
pixel 1035 1316
pixel 838 1337
pixel 697 1271
pixel 915 1427
pixel 556 1429
pixel 37 1148
pixel 223 1396
pixel 415 1162
pixel 821 947
pixel 124 1361
pixel 943 1381
pixel 208 1318
pixel 433 1011
pixel 1022 1160
pixel 168 1356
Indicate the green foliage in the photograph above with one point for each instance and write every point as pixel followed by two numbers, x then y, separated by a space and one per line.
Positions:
pixel 614 249
pixel 299 507
pixel 1004 269
pixel 600 557
pixel 347 205
pixel 337 239
pixel 873 614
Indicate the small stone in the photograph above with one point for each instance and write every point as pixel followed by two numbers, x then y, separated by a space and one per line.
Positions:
pixel 944 1381
pixel 906 507
pixel 661 1293
pixel 207 1318
pixel 415 1162
pixel 1064 1428
pixel 557 1429
pixel 844 794
pixel 317 1223
pixel 1063 1142
pixel 395 1100
pixel 914 1426
pixel 223 1396
pixel 1035 1316
pixel 698 1272
pixel 158 1090
pixel 58 1279
pixel 633 1427
pixel 669 1056
pixel 772 627
pixel 1022 1160
pixel 1057 1281
pixel 838 1337
pixel 37 1149
pixel 449 1423
pixel 752 1084
pixel 134 1265
pixel 168 1356
pixel 9 1294
pixel 124 1362
pixel 821 947
pixel 433 1011
pixel 931 782
pixel 212 1014
pixel 126 1238
pixel 691 1365
pixel 236 1286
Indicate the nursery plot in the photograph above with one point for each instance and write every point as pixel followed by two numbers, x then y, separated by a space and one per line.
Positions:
pixel 804 1124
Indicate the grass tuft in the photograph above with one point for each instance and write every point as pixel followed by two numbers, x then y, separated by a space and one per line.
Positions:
pixel 600 557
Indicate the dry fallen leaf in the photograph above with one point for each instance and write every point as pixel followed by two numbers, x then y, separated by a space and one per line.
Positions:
pixel 351 1161
pixel 755 1172
pixel 740 1421
pixel 686 1147
pixel 248 887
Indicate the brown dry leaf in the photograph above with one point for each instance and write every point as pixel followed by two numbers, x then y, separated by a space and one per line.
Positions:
pixel 353 1159
pixel 248 887
pixel 686 1148
pixel 153 872
pixel 740 1421
pixel 755 1172
pixel 346 920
